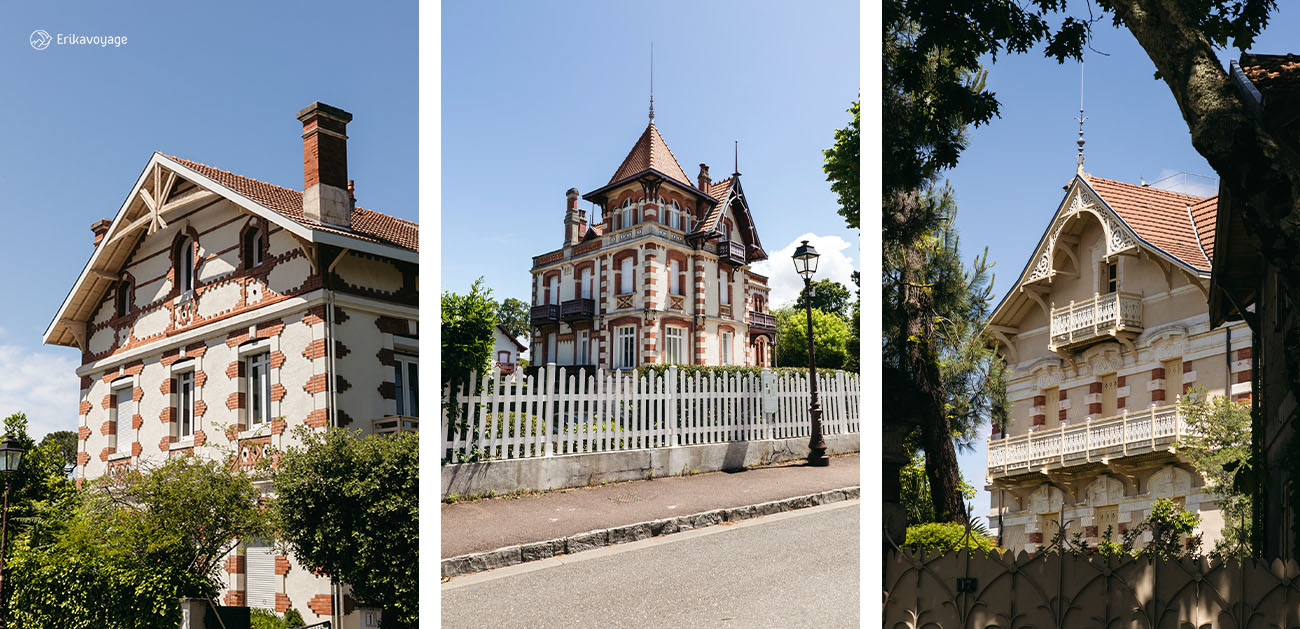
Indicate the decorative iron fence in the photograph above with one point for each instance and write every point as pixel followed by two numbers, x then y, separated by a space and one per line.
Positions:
pixel 1063 588
pixel 562 411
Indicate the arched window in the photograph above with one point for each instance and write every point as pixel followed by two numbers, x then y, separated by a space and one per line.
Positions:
pixel 184 265
pixel 122 300
pixel 253 247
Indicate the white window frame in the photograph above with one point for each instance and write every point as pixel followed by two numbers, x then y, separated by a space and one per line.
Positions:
pixel 674 277
pixel 582 355
pixel 121 423
pixel 553 299
pixel 185 274
pixel 585 283
pixel 185 390
pixel 628 270
pixel 552 347
pixel 408 397
pixel 674 344
pixel 625 343
pixel 724 288
pixel 724 342
pixel 257 388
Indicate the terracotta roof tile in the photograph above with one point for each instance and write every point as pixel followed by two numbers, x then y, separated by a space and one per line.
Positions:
pixel 1203 217
pixel 1272 73
pixel 650 151
pixel 718 190
pixel 366 224
pixel 1160 217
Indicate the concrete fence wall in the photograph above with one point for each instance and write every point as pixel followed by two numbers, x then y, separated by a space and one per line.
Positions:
pixel 969 590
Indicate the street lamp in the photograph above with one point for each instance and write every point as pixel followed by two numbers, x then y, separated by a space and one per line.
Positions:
pixel 805 263
pixel 11 455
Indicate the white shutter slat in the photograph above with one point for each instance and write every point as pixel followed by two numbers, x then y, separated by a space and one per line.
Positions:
pixel 261 582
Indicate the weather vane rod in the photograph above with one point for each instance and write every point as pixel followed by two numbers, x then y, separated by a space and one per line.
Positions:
pixel 652 82
pixel 1081 118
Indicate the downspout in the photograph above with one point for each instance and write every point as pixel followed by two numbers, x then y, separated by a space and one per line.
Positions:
pixel 1227 359
pixel 332 378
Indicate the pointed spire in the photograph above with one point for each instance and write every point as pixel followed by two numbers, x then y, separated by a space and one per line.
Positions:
pixel 652 82
pixel 736 169
pixel 1081 118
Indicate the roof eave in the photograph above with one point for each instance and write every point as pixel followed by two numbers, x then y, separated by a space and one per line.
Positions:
pixel 598 195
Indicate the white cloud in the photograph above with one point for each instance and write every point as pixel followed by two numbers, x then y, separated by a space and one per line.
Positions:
pixel 43 384
pixel 1186 183
pixel 834 264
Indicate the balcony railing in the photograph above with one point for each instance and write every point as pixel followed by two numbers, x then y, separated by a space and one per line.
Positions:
pixel 1092 441
pixel 578 309
pixel 1096 318
pixel 545 313
pixel 732 252
pixel 761 322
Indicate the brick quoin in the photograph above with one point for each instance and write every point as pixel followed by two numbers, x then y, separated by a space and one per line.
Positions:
pixel 136 448
pixel 84 408
pixel 196 350
pixel 315 349
pixel 235 564
pixel 1243 353
pixel 235 598
pixel 282 602
pixel 136 421
pixel 103 454
pixel 281 565
pixel 318 383
pixel 277 392
pixel 86 382
pixel 1035 538
pixel 200 407
pixel 340 316
pixel 341 385
pixel 392 325
pixel 314 315
pixel 168 415
pixel 385 357
pixel 166 388
pixel 276 359
pixel 342 418
pixel 133 369
pixel 200 437
pixel 235 401
pixel 340 350
pixel 137 394
pixel 170 357
pixel 317 418
pixel 232 431
pixel 1243 376
pixel 165 444
pixel 278 426
pixel 388 390
pixel 235 370
pixel 110 375
pixel 200 378
pixel 321 604
pixel 83 433
pixel 83 458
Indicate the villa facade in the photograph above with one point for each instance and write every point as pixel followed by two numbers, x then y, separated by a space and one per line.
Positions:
pixel 663 277
pixel 218 312
pixel 1106 327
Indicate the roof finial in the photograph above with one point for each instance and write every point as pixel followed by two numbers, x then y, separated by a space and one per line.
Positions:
pixel 652 82
pixel 1081 118
pixel 736 170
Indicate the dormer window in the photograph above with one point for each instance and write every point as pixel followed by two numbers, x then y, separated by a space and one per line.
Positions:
pixel 184 265
pixel 253 246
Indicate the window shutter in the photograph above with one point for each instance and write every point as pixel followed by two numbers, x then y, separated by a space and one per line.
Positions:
pixel 261 582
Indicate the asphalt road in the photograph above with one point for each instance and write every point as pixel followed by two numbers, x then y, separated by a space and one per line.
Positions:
pixel 794 569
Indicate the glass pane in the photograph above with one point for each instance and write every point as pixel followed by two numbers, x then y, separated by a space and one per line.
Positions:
pixel 399 386
pixel 413 383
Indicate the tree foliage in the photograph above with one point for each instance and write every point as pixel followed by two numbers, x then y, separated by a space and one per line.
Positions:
pixel 828 296
pixel 1217 443
pixel 830 337
pixel 841 167
pixel 66 441
pixel 349 505
pixel 122 553
pixel 947 536
pixel 467 332
pixel 513 315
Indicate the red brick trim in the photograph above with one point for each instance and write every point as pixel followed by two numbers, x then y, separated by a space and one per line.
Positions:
pixel 385 357
pixel 196 350
pixel 342 419
pixel 317 418
pixel 200 437
pixel 86 382
pixel 268 329
pixel 277 426
pixel 276 359
pixel 133 369
pixel 84 408
pixel 235 598
pixel 340 316
pixel 165 444
pixel 388 390
pixel 277 392
pixel 170 356
pixel 168 415
pixel 83 433
pixel 314 315
pixel 136 448
pixel 282 602
pixel 83 458
pixel 340 350
pixel 200 407
pixel 393 325
pixel 318 383
pixel 235 400
pixel 321 604
pixel 237 338
pixel 235 370
pixel 281 565
pixel 341 385
pixel 314 350
pixel 200 378
pixel 168 386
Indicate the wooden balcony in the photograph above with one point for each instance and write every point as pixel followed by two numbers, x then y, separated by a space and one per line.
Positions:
pixel 1096 441
pixel 761 323
pixel 578 309
pixel 1097 319
pixel 545 313
pixel 732 252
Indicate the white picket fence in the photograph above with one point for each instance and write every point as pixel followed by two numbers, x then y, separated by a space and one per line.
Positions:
pixel 612 411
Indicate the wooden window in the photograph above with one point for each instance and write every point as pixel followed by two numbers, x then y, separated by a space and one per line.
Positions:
pixel 585 283
pixel 406 374
pixel 1109 278
pixel 253 248
pixel 553 290
pixel 626 345
pixel 674 279
pixel 122 299
pixel 583 349
pixel 503 357
pixel 724 342
pixel 257 370
pixel 626 281
pixel 185 405
pixel 724 287
pixel 674 345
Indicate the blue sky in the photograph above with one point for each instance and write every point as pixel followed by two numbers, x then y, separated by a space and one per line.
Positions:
pixel 548 96
pixel 219 86
pixel 1009 181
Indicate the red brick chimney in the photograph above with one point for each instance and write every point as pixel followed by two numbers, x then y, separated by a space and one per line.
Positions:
pixel 325 196
pixel 704 179
pixel 572 222
pixel 100 227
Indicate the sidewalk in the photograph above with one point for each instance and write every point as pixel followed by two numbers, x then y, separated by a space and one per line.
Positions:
pixel 484 525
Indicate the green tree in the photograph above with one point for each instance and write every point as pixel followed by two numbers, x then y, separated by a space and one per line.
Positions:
pixel 468 322
pixel 349 505
pixel 1217 443
pixel 947 536
pixel 841 168
pixel 66 441
pixel 123 553
pixel 513 315
pixel 830 336
pixel 828 296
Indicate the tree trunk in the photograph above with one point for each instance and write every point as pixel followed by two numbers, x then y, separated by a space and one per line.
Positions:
pixel 936 430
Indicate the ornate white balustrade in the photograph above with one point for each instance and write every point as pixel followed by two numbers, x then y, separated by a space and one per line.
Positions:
pixel 1088 442
pixel 1100 317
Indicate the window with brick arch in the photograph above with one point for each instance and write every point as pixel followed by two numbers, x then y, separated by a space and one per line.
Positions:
pixel 185 405
pixel 123 411
pixel 584 283
pixel 184 265
pixel 253 247
pixel 553 290
pixel 626 272
pixel 122 298
pixel 725 345
pixel 674 277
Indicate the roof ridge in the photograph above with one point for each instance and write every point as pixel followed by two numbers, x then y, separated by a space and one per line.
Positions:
pixel 235 174
pixel 1196 233
pixel 670 153
pixel 1149 188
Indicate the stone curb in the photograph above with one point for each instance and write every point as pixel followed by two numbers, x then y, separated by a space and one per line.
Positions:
pixel 511 555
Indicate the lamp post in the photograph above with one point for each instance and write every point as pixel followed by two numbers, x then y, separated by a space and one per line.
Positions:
pixel 805 263
pixel 11 455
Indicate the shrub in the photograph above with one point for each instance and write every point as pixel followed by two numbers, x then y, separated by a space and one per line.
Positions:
pixel 945 536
